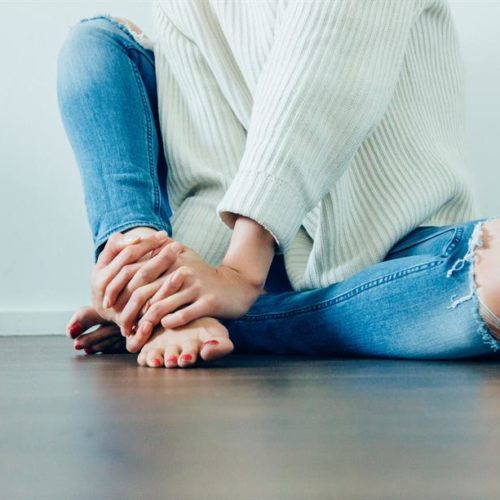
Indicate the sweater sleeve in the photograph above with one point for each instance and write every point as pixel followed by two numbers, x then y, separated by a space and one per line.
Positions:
pixel 328 80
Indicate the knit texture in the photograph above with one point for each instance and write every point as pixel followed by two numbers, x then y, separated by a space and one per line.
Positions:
pixel 337 125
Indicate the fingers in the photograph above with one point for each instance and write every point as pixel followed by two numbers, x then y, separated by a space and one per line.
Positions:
pixel 133 276
pixel 172 284
pixel 118 283
pixel 157 265
pixel 160 309
pixel 134 305
pixel 130 254
pixel 202 307
pixel 83 319
pixel 155 313
pixel 116 242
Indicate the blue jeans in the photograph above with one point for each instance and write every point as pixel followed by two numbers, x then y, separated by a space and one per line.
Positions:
pixel 419 303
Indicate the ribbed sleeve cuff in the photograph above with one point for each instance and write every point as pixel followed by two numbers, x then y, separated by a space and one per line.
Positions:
pixel 269 200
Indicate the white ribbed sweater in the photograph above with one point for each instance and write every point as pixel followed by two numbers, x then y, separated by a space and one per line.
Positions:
pixel 338 125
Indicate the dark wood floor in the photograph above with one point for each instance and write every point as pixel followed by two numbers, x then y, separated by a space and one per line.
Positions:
pixel 77 427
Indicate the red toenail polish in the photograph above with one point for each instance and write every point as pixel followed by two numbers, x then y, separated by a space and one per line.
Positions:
pixel 75 329
pixel 156 362
pixel 186 357
pixel 88 350
pixel 172 359
pixel 211 342
pixel 78 347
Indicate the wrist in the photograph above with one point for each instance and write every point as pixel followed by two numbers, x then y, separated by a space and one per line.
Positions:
pixel 251 251
pixel 140 231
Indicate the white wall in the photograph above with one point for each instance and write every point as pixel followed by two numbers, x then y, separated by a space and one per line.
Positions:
pixel 45 249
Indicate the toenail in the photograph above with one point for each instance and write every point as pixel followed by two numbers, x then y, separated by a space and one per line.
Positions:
pixel 75 329
pixel 89 350
pixel 186 357
pixel 156 362
pixel 78 346
pixel 172 359
pixel 211 342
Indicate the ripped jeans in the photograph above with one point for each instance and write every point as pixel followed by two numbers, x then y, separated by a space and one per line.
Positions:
pixel 420 302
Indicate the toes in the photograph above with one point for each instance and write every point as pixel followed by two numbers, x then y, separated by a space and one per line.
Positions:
pixel 188 356
pixel 171 356
pixel 141 358
pixel 154 358
pixel 106 346
pixel 88 340
pixel 215 340
pixel 82 319
pixel 216 347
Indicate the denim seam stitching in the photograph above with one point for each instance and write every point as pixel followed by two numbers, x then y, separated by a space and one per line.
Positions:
pixel 428 237
pixel 454 242
pixel 152 173
pixel 347 295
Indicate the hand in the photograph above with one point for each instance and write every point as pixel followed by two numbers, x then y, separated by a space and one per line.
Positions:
pixel 133 287
pixel 119 251
pixel 204 291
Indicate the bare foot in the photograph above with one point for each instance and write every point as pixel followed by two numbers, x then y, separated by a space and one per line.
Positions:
pixel 107 338
pixel 180 347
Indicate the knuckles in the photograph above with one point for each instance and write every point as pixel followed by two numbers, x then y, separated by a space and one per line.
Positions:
pixel 154 312
pixel 143 275
pixel 138 296
pixel 196 285
pixel 185 270
pixel 127 253
pixel 181 316
pixel 114 239
pixel 211 300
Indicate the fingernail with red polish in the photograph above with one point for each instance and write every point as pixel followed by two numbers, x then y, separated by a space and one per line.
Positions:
pixel 186 357
pixel 211 342
pixel 75 329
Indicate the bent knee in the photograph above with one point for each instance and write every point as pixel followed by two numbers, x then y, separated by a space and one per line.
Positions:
pixel 129 24
pixel 487 272
pixel 84 39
